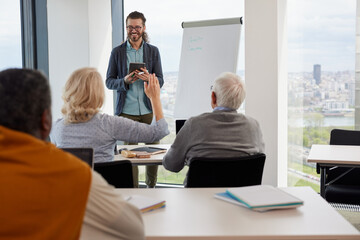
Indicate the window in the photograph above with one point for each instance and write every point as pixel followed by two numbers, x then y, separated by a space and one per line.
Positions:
pixel 163 25
pixel 10 35
pixel 321 79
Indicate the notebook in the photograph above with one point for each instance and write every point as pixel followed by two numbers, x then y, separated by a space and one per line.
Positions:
pixel 260 198
pixel 145 204
pixel 151 150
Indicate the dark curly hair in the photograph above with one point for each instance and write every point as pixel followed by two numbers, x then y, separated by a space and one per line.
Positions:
pixel 139 15
pixel 24 95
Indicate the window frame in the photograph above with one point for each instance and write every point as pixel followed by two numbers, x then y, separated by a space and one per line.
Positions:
pixel 34 35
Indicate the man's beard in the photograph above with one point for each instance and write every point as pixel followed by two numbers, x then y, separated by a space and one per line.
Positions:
pixel 136 37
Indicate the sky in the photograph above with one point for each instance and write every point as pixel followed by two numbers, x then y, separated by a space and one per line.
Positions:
pixel 319 31
pixel 10 34
pixel 165 29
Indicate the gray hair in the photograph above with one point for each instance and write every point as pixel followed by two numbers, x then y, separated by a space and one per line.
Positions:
pixel 25 94
pixel 230 90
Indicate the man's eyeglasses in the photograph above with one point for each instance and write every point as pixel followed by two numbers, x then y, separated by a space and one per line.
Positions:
pixel 137 28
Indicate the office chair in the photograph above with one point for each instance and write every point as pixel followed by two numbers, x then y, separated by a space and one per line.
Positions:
pixel 343 183
pixel 85 154
pixel 117 173
pixel 226 172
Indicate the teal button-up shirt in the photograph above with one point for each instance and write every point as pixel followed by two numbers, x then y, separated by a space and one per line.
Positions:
pixel 134 101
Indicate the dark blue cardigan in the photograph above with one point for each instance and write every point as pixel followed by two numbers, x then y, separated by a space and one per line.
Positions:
pixel 117 71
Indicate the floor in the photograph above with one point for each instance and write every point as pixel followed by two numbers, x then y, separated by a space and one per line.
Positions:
pixel 352 217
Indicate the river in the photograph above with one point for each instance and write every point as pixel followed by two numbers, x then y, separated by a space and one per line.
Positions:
pixel 326 122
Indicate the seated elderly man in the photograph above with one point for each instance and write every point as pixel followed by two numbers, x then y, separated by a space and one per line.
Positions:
pixel 46 193
pixel 223 132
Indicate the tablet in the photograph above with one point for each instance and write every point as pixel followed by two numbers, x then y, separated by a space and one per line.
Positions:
pixel 136 66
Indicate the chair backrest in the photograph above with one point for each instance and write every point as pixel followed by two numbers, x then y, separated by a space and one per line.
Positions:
pixel 226 172
pixel 178 124
pixel 117 173
pixel 85 154
pixel 345 137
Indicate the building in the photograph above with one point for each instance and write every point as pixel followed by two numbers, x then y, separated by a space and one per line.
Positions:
pixel 317 73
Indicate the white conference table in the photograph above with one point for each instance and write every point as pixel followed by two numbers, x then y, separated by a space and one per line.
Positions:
pixel 153 160
pixel 193 213
pixel 333 155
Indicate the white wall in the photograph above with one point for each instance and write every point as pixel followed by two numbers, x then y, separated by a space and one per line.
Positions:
pixel 79 35
pixel 265 76
pixel 100 43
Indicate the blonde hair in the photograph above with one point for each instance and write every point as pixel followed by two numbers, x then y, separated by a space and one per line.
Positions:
pixel 230 90
pixel 83 95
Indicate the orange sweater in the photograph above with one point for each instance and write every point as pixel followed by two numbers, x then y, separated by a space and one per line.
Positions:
pixel 43 190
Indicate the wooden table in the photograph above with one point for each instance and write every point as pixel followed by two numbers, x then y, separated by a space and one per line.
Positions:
pixel 153 160
pixel 193 213
pixel 333 155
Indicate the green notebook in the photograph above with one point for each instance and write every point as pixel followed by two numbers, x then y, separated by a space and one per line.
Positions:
pixel 260 197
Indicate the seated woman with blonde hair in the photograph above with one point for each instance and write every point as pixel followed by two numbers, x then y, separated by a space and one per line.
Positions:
pixel 84 126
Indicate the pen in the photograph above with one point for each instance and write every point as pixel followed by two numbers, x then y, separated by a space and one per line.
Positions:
pixel 133 75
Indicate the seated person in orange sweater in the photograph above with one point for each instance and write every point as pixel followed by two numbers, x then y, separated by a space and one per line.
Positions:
pixel 46 193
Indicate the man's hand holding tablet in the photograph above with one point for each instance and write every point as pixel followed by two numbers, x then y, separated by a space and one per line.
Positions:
pixel 143 75
pixel 137 71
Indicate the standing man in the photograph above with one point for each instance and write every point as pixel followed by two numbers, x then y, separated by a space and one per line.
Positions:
pixel 131 100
